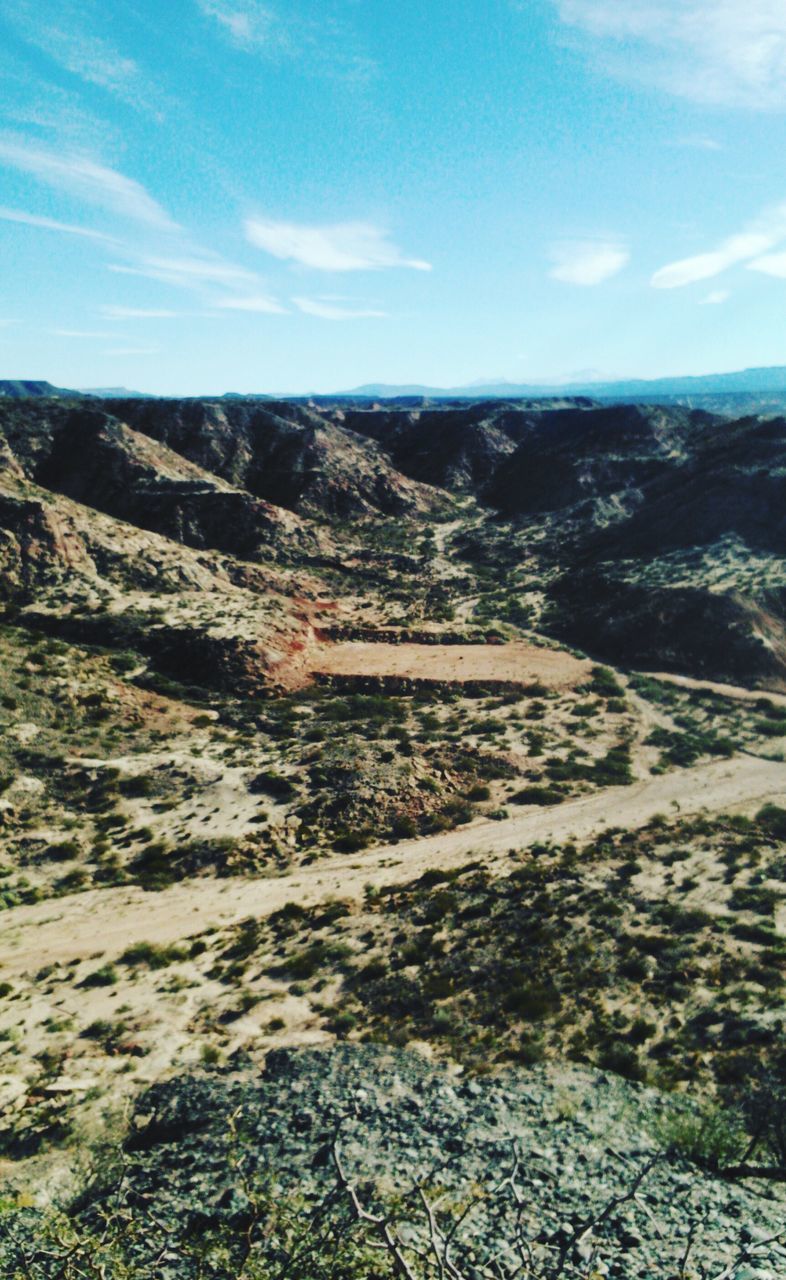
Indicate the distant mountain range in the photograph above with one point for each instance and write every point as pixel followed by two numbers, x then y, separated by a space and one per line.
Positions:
pixel 745 391
pixel 115 393
pixel 22 389
pixel 25 389
pixel 746 382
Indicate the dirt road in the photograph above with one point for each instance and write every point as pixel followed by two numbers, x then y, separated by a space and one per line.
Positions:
pixel 712 686
pixel 104 922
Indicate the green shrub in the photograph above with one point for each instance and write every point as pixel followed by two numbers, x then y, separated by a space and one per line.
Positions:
pixel 770 728
pixel 772 819
pixel 106 976
pixel 137 787
pixel 538 795
pixel 272 784
pixel 403 827
pixel 65 851
pixel 532 1000
pixel 353 841
pixel 154 868
pixel 321 955
pixel 152 955
pixel 757 898
pixel 623 1060
pixel 712 1138
pixel 605 683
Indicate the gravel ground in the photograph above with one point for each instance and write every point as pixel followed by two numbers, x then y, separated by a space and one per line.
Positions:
pixel 582 1136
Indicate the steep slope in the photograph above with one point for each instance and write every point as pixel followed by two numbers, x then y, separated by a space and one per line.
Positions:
pixel 458 449
pixel 199 616
pixel 284 453
pixel 100 462
pixel 734 483
pixel 720 635
pixel 690 576
pixel 574 456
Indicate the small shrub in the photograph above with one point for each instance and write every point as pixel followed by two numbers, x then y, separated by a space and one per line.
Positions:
pixel 538 795
pixel 138 787
pixel 711 1139
pixel 152 955
pixel 106 976
pixel 772 819
pixel 755 898
pixel 272 784
pixel 623 1060
pixel 352 841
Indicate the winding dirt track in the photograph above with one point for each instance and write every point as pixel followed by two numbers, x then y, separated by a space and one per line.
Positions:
pixel 103 922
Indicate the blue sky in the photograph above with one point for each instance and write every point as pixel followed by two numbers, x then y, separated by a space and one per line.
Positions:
pixel 213 195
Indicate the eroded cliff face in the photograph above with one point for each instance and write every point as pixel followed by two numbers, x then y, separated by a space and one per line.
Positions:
pixel 649 532
pixel 110 537
pixel 284 453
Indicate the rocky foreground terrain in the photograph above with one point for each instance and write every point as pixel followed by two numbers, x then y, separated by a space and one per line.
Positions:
pixel 391 795
pixel 308 1169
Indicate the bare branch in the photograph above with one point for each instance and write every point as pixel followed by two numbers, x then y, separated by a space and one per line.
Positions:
pixel 380 1224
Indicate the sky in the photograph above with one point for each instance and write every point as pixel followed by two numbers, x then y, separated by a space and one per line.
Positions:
pixel 206 196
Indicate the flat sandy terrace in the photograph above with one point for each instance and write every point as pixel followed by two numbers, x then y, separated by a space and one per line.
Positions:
pixel 517 664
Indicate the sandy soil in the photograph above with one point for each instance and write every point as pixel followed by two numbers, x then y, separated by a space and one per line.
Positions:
pixel 519 663
pixel 104 922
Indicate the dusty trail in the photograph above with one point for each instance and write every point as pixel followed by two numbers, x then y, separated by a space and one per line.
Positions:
pixel 712 686
pixel 104 922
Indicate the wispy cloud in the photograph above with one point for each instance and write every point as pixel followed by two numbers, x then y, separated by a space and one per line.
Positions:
pixel 133 351
pixel 716 298
pixel 714 51
pixel 250 25
pixel 254 302
pixel 51 111
pixel 760 236
pixel 50 224
pixel 138 313
pixel 82 333
pixel 344 246
pixel 326 309
pixel 587 262
pixel 322 45
pixel 65 31
pixel 88 180
pixel 190 272
pixel 770 264
pixel 698 142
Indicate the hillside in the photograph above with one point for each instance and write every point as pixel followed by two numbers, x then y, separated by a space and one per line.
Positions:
pixel 23 390
pixel 387 750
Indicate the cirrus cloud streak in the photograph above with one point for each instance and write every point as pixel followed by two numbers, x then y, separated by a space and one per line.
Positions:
pixel 751 246
pixel 714 51
pixel 342 246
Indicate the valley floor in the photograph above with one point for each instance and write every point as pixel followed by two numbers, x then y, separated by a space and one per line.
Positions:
pixel 105 922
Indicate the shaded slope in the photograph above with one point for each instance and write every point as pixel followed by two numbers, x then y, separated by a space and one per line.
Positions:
pixel 571 456
pixel 103 464
pixel 284 453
